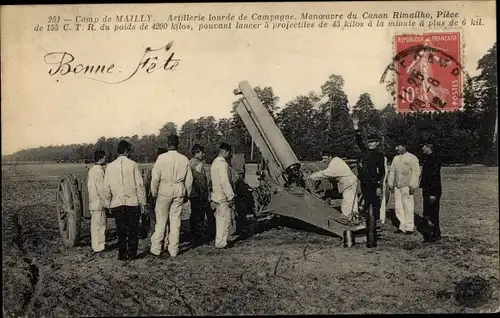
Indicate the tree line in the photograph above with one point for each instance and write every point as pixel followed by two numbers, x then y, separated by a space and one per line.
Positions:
pixel 316 121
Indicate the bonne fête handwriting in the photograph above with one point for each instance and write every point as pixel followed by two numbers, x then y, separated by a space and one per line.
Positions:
pixel 65 64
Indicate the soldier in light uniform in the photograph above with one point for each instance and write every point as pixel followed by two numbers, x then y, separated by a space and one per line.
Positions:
pixel 126 197
pixel 171 185
pixel 403 178
pixel 346 181
pixel 223 196
pixel 97 201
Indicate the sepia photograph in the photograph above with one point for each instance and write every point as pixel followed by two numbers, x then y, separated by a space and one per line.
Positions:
pixel 266 158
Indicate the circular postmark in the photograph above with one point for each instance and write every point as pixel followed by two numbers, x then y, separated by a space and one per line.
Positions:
pixel 428 75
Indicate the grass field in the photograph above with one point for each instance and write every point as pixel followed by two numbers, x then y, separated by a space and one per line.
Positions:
pixel 281 270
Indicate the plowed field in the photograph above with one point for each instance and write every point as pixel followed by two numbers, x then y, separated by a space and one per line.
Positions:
pixel 285 268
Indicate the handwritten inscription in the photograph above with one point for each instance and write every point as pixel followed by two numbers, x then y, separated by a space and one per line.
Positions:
pixel 65 63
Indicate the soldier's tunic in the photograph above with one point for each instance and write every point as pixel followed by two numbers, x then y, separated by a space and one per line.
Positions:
pixel 125 193
pixel 97 201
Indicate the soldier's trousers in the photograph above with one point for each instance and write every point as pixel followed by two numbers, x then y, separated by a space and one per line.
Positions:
pixel 199 208
pixel 349 201
pixel 225 223
pixel 404 205
pixel 431 216
pixel 127 226
pixel 98 229
pixel 168 224
pixel 369 192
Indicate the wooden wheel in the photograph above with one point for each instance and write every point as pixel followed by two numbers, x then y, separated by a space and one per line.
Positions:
pixel 68 209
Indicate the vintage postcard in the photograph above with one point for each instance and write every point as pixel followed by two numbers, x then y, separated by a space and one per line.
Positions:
pixel 249 158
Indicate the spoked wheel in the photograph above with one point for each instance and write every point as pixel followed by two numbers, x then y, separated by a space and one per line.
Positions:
pixel 68 209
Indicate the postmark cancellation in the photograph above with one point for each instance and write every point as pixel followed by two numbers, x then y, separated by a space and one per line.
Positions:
pixel 427 71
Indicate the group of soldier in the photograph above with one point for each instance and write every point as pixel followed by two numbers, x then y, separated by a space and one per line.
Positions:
pixel 119 192
pixel 403 177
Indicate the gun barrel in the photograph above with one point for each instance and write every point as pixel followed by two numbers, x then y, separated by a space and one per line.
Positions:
pixel 268 128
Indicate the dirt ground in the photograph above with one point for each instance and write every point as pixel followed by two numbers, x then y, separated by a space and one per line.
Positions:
pixel 285 269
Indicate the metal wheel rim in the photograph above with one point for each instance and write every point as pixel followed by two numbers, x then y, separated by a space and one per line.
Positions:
pixel 65 206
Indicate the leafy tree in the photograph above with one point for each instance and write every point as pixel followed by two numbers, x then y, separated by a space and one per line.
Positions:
pixel 169 128
pixel 147 149
pixel 337 127
pixel 488 97
pixel 187 135
pixel 368 116
pixel 296 122
pixel 224 128
pixel 206 135
pixel 388 116
pixel 268 99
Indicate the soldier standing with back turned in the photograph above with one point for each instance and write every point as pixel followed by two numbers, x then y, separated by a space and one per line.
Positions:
pixel 431 192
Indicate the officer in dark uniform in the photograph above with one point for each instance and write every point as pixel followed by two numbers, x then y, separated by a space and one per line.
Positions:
pixel 371 171
pixel 430 183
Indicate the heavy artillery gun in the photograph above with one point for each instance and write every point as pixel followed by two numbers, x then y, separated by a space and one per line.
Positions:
pixel 282 176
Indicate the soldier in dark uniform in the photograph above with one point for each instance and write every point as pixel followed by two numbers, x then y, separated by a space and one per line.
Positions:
pixel 371 171
pixel 431 192
pixel 200 205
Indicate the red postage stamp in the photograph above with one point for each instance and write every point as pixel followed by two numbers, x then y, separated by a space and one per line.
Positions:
pixel 428 72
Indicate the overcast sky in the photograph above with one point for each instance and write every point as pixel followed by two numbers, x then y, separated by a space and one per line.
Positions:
pixel 39 110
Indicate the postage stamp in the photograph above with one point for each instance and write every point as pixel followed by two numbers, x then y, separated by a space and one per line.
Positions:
pixel 428 72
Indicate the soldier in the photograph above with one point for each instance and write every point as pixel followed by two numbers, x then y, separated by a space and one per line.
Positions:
pixel 97 201
pixel 223 196
pixel 403 178
pixel 147 183
pixel 346 181
pixel 371 171
pixel 126 198
pixel 431 192
pixel 200 206
pixel 171 184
